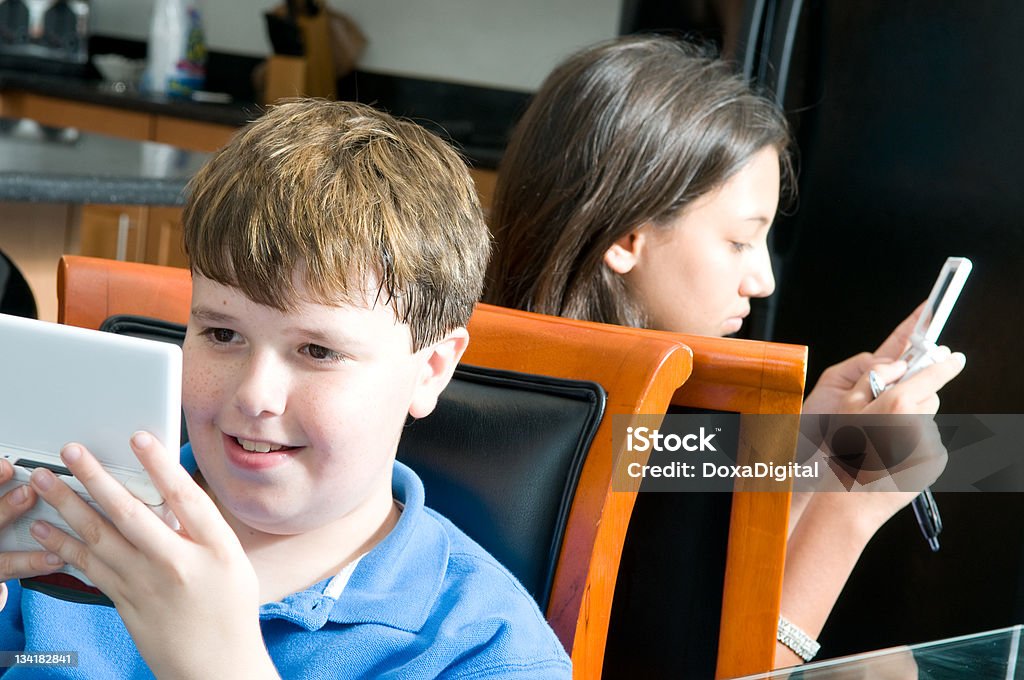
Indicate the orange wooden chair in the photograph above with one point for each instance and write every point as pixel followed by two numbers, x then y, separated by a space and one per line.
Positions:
pixel 91 289
pixel 741 376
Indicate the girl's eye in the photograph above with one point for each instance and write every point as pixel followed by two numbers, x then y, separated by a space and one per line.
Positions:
pixel 739 247
pixel 321 353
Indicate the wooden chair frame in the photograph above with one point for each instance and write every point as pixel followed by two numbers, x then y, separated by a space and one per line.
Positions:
pixel 752 378
pixel 742 376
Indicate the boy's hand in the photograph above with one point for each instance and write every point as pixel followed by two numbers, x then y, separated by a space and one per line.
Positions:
pixel 181 594
pixel 13 505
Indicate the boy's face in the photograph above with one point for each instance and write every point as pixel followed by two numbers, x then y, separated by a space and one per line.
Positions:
pixel 294 417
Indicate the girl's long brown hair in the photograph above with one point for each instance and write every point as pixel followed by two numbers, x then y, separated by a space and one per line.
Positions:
pixel 623 133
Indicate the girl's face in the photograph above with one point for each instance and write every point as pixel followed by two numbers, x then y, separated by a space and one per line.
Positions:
pixel 697 273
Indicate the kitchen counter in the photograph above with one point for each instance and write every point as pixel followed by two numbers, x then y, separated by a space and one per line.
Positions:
pixel 99 93
pixel 67 191
pixel 40 164
pixel 475 120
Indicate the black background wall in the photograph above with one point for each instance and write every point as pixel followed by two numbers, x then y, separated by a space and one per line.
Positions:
pixel 909 119
pixel 910 123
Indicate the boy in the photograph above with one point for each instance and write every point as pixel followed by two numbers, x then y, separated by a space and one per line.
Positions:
pixel 336 256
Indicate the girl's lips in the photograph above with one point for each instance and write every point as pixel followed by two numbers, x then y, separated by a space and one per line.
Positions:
pixel 255 460
pixel 732 325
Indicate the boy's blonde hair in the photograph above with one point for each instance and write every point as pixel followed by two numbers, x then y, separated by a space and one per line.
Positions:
pixel 345 197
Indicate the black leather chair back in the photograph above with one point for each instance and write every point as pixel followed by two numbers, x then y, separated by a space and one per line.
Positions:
pixel 15 295
pixel 500 456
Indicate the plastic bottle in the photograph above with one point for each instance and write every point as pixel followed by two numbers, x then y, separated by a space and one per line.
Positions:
pixel 177 48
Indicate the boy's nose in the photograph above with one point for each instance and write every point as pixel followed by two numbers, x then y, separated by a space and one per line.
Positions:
pixel 759 281
pixel 263 388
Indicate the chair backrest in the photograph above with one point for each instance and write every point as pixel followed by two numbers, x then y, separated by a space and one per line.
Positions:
pixel 740 376
pixel 749 377
pixel 639 372
pixel 15 294
pixel 91 289
pixel 510 494
pixel 756 378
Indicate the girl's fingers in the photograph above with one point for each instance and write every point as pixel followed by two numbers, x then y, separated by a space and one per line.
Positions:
pixel 897 341
pixel 931 379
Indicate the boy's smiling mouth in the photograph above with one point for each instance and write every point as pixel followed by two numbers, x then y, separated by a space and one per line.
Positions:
pixel 258 446
pixel 257 454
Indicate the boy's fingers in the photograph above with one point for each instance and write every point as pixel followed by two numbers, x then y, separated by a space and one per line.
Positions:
pixel 21 564
pixel 28 563
pixel 194 509
pixel 6 471
pixel 91 527
pixel 16 503
pixel 133 519
pixel 73 552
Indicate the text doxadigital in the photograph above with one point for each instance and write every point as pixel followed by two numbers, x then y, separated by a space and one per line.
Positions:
pixel 643 439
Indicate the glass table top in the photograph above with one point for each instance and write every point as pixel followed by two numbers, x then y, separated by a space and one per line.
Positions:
pixel 992 655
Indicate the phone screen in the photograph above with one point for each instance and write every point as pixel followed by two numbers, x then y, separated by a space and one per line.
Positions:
pixel 942 298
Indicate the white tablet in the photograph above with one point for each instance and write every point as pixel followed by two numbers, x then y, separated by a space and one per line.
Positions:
pixel 60 384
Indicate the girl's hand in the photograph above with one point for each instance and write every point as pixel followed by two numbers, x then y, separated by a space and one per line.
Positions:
pixel 182 594
pixel 845 388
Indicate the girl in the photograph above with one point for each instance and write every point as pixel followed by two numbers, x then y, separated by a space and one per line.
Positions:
pixel 639 189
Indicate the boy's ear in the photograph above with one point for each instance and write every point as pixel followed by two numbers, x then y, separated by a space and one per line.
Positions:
pixel 441 359
pixel 623 255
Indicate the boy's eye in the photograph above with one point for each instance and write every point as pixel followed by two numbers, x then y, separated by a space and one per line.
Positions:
pixel 221 335
pixel 321 353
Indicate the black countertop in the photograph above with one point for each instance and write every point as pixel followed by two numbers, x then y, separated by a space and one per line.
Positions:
pixel 475 120
pixel 98 92
pixel 54 165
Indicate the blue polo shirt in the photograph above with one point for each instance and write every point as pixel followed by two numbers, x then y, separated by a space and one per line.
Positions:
pixel 427 601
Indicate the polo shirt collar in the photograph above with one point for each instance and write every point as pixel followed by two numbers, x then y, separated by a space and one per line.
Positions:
pixel 408 567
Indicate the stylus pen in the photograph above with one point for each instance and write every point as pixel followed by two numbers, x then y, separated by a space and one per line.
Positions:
pixel 925 508
pixel 928 518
